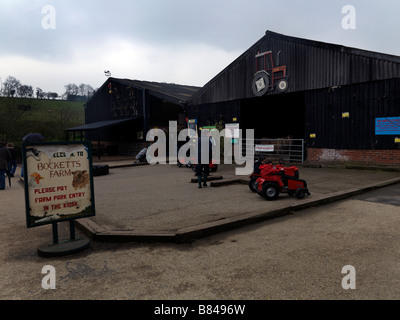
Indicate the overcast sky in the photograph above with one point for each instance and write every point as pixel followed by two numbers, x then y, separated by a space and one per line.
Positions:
pixel 175 41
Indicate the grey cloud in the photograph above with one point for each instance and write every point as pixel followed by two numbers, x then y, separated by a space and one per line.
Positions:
pixel 230 25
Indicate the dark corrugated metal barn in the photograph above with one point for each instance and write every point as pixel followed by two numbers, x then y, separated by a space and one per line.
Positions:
pixel 329 95
pixel 121 112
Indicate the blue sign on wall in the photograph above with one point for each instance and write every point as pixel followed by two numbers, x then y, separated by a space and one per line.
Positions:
pixel 387 126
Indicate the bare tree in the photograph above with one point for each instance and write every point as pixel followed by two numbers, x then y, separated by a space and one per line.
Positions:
pixel 53 95
pixel 85 89
pixel 10 86
pixel 71 89
pixel 25 91
pixel 82 89
pixel 39 93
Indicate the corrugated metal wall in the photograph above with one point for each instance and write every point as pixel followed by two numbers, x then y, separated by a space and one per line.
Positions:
pixel 310 65
pixel 208 115
pixel 363 102
pixel 122 102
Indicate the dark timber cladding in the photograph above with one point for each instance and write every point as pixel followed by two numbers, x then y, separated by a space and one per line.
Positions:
pixel 122 108
pixel 343 117
pixel 310 65
pixel 122 111
pixel 333 97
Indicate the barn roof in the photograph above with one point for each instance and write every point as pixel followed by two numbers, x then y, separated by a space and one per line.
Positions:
pixel 102 124
pixel 175 93
pixel 309 64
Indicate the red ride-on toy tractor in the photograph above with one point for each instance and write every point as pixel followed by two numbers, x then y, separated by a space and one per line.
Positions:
pixel 270 190
pixel 253 184
pixel 256 174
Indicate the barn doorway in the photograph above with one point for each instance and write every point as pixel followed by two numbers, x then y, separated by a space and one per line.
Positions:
pixel 275 116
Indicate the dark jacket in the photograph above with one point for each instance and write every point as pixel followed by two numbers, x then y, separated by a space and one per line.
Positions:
pixel 12 152
pixel 203 141
pixel 5 157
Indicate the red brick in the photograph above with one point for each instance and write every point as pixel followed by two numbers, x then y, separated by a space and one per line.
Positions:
pixel 370 157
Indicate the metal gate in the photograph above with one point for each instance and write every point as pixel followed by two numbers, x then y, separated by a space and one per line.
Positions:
pixel 286 150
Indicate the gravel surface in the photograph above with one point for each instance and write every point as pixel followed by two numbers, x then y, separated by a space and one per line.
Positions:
pixel 299 256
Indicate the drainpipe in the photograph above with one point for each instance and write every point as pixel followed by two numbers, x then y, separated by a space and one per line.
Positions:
pixel 145 124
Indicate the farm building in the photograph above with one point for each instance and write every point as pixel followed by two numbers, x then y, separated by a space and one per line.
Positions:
pixel 344 103
pixel 121 112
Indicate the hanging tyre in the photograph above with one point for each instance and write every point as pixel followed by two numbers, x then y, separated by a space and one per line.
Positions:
pixel 100 170
pixel 270 191
pixel 260 84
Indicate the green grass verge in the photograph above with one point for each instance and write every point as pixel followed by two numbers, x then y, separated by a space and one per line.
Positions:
pixel 20 116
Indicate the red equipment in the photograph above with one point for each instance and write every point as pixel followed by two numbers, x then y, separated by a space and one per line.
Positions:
pixel 289 171
pixel 253 181
pixel 269 188
pixel 213 166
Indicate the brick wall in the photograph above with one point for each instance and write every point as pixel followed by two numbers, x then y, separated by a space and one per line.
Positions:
pixel 368 157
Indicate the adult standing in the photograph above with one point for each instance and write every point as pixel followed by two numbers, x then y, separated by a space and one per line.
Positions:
pixel 202 168
pixel 12 166
pixel 5 158
pixel 30 138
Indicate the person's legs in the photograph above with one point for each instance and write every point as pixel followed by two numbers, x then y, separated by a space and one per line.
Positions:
pixel 284 182
pixel 199 180
pixel 198 174
pixel 2 179
pixel 206 172
pixel 13 167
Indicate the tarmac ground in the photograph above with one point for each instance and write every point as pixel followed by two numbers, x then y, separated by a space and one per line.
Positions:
pixel 163 202
pixel 232 249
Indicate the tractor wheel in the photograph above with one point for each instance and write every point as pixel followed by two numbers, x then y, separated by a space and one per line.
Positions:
pixel 282 85
pixel 253 184
pixel 300 193
pixel 260 84
pixel 270 191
